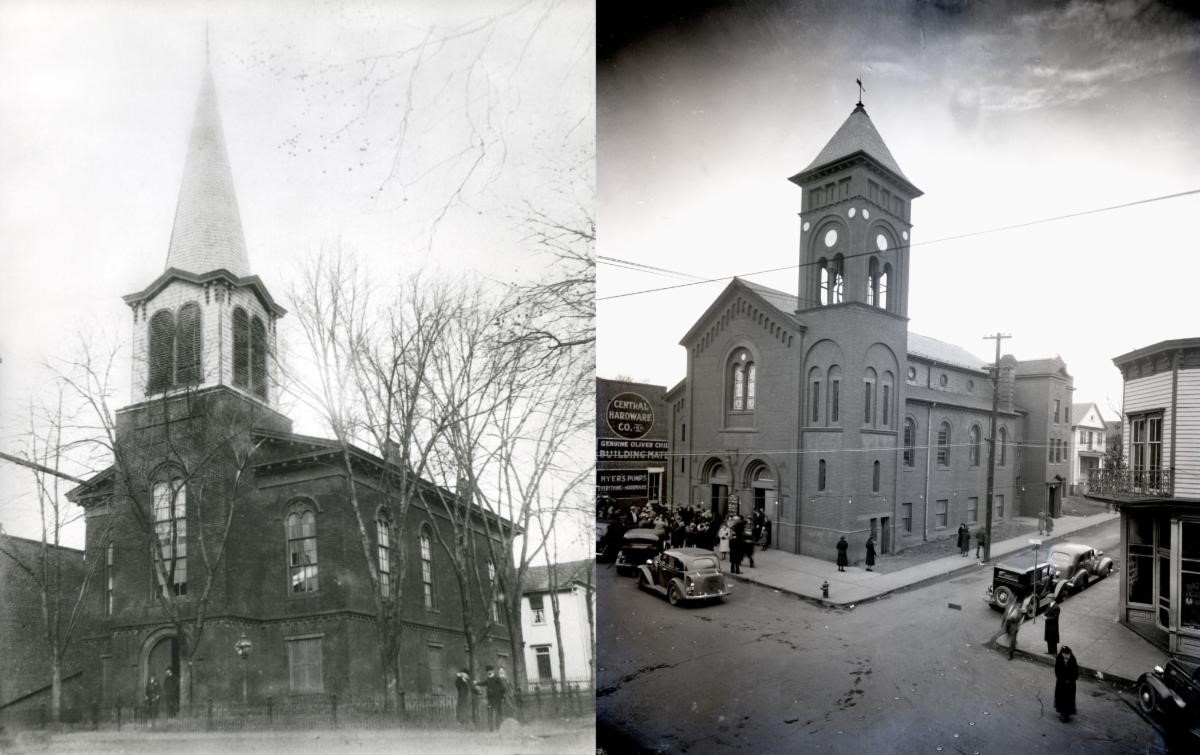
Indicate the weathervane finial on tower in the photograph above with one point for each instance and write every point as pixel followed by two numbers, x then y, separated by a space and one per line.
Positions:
pixel 860 91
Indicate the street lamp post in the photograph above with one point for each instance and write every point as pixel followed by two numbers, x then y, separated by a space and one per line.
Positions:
pixel 243 648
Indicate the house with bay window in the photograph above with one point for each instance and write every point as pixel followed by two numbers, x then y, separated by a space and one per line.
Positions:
pixel 1158 493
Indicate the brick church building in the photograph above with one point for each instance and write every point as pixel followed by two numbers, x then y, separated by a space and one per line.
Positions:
pixel 255 536
pixel 827 413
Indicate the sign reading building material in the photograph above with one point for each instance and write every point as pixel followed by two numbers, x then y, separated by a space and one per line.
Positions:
pixel 630 415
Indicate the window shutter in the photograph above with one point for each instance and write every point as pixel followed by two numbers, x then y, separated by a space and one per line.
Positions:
pixel 258 357
pixel 187 356
pixel 241 348
pixel 162 351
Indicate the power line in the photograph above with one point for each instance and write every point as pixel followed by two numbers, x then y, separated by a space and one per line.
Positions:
pixel 642 267
pixel 955 237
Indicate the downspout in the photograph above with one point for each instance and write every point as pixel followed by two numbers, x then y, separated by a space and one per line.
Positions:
pixel 799 446
pixel 928 457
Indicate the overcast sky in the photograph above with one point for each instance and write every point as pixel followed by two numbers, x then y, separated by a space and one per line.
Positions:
pixel 1002 113
pixel 411 133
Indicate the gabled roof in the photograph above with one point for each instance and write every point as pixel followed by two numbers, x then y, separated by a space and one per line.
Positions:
pixel 784 304
pixel 857 136
pixel 537 578
pixel 1079 411
pixel 207 234
pixel 943 352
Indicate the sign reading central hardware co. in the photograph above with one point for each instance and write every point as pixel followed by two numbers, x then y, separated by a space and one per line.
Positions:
pixel 630 415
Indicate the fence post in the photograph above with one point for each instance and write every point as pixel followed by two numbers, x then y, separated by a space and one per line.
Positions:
pixel 270 710
pixel 209 715
pixel 333 707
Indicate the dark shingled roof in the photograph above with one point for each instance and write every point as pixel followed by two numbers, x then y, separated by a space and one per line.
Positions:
pixel 857 134
pixel 945 353
pixel 537 578
pixel 783 301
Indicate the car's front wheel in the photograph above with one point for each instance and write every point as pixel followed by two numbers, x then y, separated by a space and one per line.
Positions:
pixel 1002 597
pixel 674 596
pixel 1082 582
pixel 1147 697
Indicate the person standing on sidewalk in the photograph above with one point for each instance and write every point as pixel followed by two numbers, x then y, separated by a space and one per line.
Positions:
pixel 964 539
pixel 735 549
pixel 1051 617
pixel 767 534
pixel 843 559
pixel 1011 623
pixel 980 542
pixel 1066 672
pixel 747 542
pixel 870 552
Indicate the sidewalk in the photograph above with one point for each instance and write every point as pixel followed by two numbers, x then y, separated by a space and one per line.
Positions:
pixel 1104 648
pixel 803 575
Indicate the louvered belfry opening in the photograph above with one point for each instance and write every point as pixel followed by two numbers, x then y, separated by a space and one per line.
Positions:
pixel 175 345
pixel 249 353
pixel 162 351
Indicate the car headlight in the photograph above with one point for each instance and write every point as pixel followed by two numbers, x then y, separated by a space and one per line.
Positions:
pixel 689 585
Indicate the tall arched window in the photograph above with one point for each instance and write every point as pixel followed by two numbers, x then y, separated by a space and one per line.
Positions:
pixel 885 398
pixel 910 442
pixel 869 396
pixel 170 527
pixel 823 272
pixel 835 390
pixel 883 286
pixel 187 345
pixel 873 282
pixel 814 395
pixel 426 543
pixel 1003 455
pixel 875 477
pixel 743 382
pixel 838 287
pixel 821 474
pixel 110 564
pixel 943 445
pixel 162 352
pixel 974 443
pixel 301 529
pixel 383 551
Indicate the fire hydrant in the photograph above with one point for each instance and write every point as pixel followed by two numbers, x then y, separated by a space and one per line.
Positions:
pixel 825 589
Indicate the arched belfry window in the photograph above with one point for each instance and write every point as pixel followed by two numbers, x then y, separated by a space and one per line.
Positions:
pixel 743 382
pixel 823 273
pixel 884 277
pixel 300 527
pixel 838 275
pixel 249 353
pixel 873 282
pixel 174 349
pixel 162 351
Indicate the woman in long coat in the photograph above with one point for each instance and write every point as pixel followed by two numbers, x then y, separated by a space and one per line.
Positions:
pixel 843 559
pixel 964 538
pixel 1066 671
pixel 870 552
pixel 723 543
pixel 1051 618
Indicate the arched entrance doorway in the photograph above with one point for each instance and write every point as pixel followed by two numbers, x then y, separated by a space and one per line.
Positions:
pixel 160 652
pixel 761 482
pixel 718 479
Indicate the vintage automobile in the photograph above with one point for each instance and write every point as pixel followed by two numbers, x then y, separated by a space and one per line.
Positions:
pixel 684 574
pixel 1173 691
pixel 638 546
pixel 1079 564
pixel 1009 583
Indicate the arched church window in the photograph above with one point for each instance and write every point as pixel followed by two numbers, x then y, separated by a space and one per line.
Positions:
pixel 835 389
pixel 885 398
pixel 869 380
pixel 743 382
pixel 170 527
pixel 162 351
pixel 249 353
pixel 814 395
pixel 873 282
pixel 187 345
pixel 821 474
pixel 1003 455
pixel 974 442
pixel 943 445
pixel 875 477
pixel 751 379
pixel 883 286
pixel 823 271
pixel 301 530
pixel 910 442
pixel 426 544
pixel 383 550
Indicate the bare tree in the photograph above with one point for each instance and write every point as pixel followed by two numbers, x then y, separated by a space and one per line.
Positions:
pixel 61 585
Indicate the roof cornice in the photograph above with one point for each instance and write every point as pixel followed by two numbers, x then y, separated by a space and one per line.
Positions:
pixel 252 282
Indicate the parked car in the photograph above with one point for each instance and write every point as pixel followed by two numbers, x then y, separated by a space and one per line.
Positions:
pixel 1011 583
pixel 638 546
pixel 1173 691
pixel 1079 564
pixel 684 574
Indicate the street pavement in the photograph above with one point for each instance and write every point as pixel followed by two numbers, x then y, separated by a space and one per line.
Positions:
pixel 1103 646
pixel 912 670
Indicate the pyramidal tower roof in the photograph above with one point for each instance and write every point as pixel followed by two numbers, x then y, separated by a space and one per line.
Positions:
pixel 857 135
pixel 207 234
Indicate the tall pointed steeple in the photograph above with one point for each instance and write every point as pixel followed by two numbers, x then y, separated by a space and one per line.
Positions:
pixel 207 235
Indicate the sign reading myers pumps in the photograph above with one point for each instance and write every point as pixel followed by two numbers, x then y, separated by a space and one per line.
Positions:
pixel 630 415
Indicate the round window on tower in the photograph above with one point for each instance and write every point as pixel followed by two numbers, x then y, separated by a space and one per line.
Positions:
pixel 807 225
pixel 904 235
pixel 850 212
pixel 831 237
pixel 867 214
pixel 881 242
pixel 943 380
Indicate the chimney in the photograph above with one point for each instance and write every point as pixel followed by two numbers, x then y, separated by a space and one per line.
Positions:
pixel 1008 376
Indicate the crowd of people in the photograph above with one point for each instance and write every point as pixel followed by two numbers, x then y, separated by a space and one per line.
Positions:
pixel 733 537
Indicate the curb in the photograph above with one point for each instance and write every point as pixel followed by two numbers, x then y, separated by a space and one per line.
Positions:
pixel 1046 660
pixel 830 603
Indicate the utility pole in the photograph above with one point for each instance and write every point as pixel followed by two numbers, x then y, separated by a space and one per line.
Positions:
pixel 991 476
